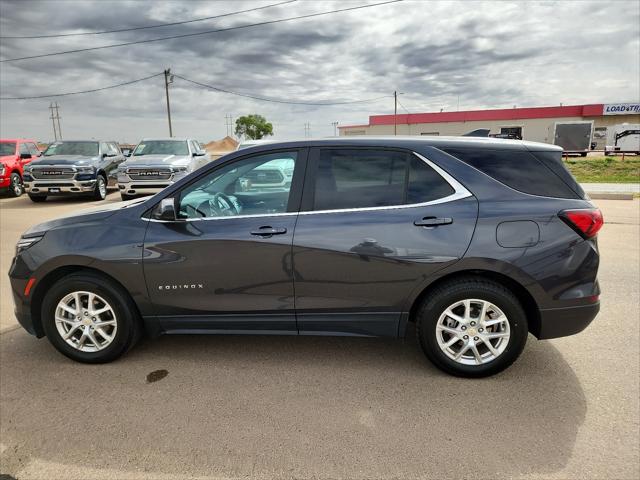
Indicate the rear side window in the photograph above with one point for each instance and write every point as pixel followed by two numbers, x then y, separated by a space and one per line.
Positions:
pixel 518 169
pixel 374 178
pixel 553 161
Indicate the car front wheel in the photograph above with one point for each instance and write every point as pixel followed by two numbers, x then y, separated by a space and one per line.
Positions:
pixel 16 189
pixel 100 192
pixel 89 319
pixel 472 327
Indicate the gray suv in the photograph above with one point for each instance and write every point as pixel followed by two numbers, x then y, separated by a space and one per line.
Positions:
pixel 473 242
pixel 157 163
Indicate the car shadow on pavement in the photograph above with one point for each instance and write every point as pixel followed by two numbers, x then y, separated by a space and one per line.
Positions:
pixel 284 407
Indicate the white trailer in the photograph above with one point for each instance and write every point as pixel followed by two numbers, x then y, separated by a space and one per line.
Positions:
pixel 623 138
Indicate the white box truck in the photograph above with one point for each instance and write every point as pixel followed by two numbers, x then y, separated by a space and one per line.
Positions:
pixel 623 138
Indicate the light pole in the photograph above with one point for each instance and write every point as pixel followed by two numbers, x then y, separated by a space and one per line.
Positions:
pixel 335 128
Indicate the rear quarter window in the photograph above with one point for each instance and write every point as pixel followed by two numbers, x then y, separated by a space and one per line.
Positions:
pixel 518 169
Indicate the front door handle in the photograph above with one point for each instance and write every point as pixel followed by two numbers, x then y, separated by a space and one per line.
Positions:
pixel 433 221
pixel 267 231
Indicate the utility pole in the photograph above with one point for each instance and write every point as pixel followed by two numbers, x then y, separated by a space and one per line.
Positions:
pixel 168 78
pixel 395 112
pixel 58 119
pixel 335 128
pixel 228 120
pixel 307 130
pixel 53 122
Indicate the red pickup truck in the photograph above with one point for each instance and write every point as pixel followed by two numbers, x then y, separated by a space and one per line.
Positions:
pixel 15 153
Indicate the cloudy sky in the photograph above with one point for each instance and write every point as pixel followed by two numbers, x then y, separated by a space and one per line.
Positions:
pixel 482 55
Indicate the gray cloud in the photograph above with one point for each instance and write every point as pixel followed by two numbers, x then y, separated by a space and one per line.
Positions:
pixel 487 55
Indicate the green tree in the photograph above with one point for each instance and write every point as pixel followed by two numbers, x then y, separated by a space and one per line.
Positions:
pixel 253 127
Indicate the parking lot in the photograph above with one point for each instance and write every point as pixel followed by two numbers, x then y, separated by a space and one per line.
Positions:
pixel 288 407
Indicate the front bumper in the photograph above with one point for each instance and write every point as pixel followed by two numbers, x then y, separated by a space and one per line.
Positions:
pixel 562 322
pixel 59 187
pixel 150 185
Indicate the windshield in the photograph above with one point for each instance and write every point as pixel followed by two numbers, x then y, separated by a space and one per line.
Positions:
pixel 86 149
pixel 162 147
pixel 7 148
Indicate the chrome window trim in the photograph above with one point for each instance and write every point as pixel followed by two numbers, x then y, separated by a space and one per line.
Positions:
pixel 459 192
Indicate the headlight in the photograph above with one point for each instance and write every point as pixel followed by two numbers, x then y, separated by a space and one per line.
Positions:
pixel 86 169
pixel 25 243
pixel 180 169
pixel 122 168
pixel 27 168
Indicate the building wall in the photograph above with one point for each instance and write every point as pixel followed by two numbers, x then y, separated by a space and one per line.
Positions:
pixel 533 129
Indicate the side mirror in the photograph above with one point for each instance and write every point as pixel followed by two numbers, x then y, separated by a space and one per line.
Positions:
pixel 25 156
pixel 126 152
pixel 199 154
pixel 166 210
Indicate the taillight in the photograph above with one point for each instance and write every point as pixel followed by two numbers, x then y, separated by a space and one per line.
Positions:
pixel 587 222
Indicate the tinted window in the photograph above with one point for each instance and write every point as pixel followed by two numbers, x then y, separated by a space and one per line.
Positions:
pixel 425 184
pixel 257 185
pixel 359 179
pixel 518 169
pixel 553 161
pixel 375 178
pixel 7 148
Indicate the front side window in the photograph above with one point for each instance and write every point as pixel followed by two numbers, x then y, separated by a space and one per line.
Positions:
pixel 258 185
pixel 85 149
pixel 24 150
pixel 33 148
pixel 374 178
pixel 7 148
pixel 162 147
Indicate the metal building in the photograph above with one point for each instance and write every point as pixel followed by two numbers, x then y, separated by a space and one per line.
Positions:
pixel 539 124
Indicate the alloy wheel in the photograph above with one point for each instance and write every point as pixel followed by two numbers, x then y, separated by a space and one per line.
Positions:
pixel 16 185
pixel 102 188
pixel 86 321
pixel 473 332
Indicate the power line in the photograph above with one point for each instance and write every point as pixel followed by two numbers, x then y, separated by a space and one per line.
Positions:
pixel 405 108
pixel 239 27
pixel 147 27
pixel 83 91
pixel 277 100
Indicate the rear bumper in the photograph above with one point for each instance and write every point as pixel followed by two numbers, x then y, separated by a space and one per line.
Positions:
pixel 561 322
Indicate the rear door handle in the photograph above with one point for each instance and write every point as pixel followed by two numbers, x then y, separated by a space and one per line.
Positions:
pixel 433 221
pixel 267 231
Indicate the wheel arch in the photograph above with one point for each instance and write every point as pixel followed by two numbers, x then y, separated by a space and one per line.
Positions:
pixel 527 300
pixel 57 274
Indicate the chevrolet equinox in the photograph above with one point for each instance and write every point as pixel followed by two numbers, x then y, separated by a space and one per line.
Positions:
pixel 476 241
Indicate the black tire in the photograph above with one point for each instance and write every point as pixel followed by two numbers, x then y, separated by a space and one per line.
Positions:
pixel 15 185
pixel 583 154
pixel 100 191
pixel 37 198
pixel 128 323
pixel 471 288
pixel 126 197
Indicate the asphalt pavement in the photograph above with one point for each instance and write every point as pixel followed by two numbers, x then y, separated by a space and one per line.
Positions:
pixel 289 407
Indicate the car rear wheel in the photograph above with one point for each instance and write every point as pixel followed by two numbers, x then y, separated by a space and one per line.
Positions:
pixel 37 198
pixel 100 192
pixel 472 327
pixel 89 319
pixel 16 188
